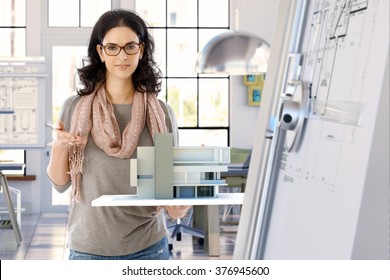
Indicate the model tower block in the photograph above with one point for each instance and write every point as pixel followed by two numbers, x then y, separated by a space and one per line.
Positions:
pixel 178 172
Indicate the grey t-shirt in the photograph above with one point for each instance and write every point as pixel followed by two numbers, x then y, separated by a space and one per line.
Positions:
pixel 111 231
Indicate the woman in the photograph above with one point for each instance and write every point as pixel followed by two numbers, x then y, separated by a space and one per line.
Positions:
pixel 100 129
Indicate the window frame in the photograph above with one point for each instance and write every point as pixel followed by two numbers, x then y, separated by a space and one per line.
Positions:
pixel 198 77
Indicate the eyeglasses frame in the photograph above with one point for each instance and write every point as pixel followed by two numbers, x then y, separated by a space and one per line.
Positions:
pixel 121 48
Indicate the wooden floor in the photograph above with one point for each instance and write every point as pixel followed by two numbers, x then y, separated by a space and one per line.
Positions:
pixel 44 238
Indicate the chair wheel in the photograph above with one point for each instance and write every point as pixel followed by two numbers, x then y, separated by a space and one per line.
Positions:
pixel 170 247
pixel 201 241
pixel 178 236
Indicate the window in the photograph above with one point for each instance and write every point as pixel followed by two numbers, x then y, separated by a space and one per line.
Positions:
pixel 76 13
pixel 13 43
pixel 65 62
pixel 72 18
pixel 180 29
pixel 13 27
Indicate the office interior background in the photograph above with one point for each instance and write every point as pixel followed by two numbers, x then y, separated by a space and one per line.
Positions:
pixel 211 109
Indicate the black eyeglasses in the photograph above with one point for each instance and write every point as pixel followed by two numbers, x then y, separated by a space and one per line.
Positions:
pixel 114 49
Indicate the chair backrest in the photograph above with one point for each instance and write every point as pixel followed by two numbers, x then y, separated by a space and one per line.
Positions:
pixel 238 155
pixel 247 160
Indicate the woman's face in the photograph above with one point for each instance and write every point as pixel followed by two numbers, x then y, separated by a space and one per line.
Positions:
pixel 121 65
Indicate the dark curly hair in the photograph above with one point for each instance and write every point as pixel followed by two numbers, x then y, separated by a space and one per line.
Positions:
pixel 147 76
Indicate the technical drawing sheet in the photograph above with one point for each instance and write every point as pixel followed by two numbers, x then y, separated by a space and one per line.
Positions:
pixel 19 103
pixel 22 102
pixel 331 197
pixel 321 186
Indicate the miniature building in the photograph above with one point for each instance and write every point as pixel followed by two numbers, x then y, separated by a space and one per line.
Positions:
pixel 178 172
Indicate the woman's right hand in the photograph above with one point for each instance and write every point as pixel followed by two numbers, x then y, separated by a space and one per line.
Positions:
pixel 58 167
pixel 63 139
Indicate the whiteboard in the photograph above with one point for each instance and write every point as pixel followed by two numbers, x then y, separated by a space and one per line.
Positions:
pixel 331 194
pixel 22 103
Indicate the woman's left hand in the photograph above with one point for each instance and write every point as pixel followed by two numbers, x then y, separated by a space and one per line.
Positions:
pixel 177 212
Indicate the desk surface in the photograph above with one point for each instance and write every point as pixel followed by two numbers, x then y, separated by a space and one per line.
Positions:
pixel 133 200
pixel 235 170
pixel 11 166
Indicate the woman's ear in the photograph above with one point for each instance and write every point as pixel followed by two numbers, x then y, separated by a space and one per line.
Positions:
pixel 99 49
pixel 141 51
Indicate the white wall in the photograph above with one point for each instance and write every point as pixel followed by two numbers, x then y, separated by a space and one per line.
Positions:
pixel 257 17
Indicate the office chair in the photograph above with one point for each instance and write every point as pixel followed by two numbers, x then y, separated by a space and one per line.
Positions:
pixel 236 174
pixel 178 228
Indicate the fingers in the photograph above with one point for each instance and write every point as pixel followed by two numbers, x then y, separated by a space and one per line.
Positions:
pixel 59 126
pixel 177 207
pixel 76 139
pixel 63 139
pixel 176 212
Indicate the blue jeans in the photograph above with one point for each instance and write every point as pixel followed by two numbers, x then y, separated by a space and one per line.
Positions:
pixel 158 251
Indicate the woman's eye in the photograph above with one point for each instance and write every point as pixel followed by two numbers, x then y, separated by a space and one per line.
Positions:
pixel 112 48
pixel 130 47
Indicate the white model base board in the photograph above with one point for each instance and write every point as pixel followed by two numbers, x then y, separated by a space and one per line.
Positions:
pixel 133 200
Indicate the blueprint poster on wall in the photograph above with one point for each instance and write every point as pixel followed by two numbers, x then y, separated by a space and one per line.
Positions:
pixel 324 194
pixel 18 106
pixel 321 184
pixel 22 102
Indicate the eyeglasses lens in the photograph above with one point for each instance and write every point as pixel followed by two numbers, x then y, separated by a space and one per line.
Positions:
pixel 112 49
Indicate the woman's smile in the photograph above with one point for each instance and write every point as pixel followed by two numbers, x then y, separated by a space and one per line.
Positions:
pixel 123 66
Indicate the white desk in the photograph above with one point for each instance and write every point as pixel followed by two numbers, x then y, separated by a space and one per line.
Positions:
pixel 133 200
pixel 211 203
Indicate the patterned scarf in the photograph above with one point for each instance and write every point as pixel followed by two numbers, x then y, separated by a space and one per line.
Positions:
pixel 95 114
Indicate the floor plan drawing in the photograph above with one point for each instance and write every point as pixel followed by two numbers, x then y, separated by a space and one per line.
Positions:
pixel 18 105
pixel 334 70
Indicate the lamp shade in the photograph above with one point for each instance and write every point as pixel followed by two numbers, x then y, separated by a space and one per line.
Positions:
pixel 234 53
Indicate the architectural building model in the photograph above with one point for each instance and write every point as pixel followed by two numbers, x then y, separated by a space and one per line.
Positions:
pixel 178 172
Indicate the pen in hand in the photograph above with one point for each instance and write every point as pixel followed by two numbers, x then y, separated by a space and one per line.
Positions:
pixel 50 125
pixel 70 139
